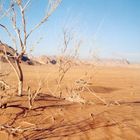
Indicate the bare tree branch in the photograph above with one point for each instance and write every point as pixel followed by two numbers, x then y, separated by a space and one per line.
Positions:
pixel 26 5
pixel 11 64
pixel 14 24
pixel 24 27
pixel 8 32
pixel 3 12
pixel 52 8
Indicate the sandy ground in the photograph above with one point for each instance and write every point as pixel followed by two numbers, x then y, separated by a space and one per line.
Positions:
pixel 78 114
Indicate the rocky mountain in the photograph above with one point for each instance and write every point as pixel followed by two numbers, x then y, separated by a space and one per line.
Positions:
pixel 43 59
pixel 10 52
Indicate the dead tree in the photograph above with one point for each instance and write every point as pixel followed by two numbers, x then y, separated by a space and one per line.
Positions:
pixel 18 8
pixel 67 56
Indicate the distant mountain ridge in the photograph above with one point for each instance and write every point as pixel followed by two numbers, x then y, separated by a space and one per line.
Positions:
pixel 44 59
pixel 113 61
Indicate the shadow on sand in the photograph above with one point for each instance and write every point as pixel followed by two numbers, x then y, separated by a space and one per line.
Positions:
pixel 102 89
pixel 61 129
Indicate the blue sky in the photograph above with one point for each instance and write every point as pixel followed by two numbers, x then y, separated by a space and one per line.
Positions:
pixel 110 28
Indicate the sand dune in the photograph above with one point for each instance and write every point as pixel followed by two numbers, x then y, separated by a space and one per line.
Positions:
pixel 57 118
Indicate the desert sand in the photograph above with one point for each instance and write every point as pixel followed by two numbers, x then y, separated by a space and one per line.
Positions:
pixel 78 114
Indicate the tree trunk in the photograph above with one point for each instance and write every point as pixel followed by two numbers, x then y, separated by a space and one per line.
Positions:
pixel 20 87
pixel 20 78
pixel 19 73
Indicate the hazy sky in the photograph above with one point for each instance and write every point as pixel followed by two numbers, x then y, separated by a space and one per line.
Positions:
pixel 110 27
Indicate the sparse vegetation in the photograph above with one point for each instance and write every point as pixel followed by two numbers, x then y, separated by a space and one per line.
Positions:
pixel 18 8
pixel 64 96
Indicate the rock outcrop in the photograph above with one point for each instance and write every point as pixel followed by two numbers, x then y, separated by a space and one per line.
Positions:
pixel 11 52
